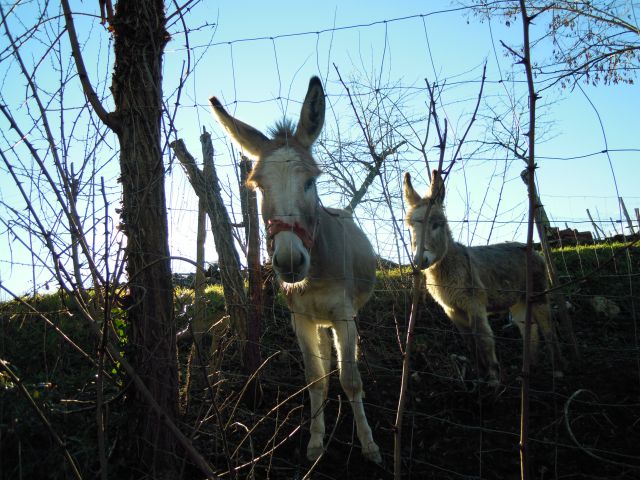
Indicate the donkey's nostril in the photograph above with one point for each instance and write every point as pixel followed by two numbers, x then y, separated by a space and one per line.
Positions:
pixel 291 267
pixel 288 262
pixel 422 263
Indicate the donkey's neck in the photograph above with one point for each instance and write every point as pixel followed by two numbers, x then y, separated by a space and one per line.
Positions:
pixel 454 261
pixel 326 244
pixel 340 249
pixel 343 266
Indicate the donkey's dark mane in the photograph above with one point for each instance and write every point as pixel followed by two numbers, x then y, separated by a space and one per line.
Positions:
pixel 284 128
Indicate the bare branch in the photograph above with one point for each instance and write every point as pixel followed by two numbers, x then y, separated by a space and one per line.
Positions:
pixel 473 117
pixel 107 118
pixel 374 171
pixel 378 159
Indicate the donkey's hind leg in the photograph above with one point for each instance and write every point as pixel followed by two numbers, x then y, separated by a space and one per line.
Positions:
pixel 542 314
pixel 316 354
pixel 485 346
pixel 518 316
pixel 346 339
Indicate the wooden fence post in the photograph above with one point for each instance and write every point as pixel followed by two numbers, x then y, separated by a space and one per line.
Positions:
pixel 249 202
pixel 627 216
pixel 543 226
pixel 208 188
pixel 596 229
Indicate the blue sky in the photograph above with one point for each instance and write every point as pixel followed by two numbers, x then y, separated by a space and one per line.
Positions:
pixel 245 54
pixel 445 45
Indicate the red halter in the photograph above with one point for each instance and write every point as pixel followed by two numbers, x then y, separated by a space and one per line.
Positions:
pixel 276 226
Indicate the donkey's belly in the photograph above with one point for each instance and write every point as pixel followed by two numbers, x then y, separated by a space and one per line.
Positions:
pixel 500 300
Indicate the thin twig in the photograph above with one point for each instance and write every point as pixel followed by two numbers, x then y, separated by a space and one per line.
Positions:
pixel 101 349
pixel 582 448
pixel 417 281
pixel 55 328
pixel 531 166
pixel 307 475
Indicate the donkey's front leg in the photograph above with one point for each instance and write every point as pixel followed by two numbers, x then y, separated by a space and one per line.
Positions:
pixel 485 346
pixel 346 339
pixel 475 328
pixel 316 354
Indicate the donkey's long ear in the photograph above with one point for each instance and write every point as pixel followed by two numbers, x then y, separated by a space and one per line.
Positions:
pixel 436 193
pixel 252 141
pixel 312 114
pixel 410 194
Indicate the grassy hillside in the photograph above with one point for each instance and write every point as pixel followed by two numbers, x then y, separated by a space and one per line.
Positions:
pixel 454 427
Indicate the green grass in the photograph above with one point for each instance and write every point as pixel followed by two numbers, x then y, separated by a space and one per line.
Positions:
pixel 606 270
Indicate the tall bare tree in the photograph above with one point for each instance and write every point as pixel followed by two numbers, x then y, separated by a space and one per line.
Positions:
pixel 140 37
pixel 67 202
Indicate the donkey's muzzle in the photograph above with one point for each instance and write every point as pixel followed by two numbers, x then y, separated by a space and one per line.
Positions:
pixel 290 266
pixel 290 258
pixel 422 263
pixel 275 226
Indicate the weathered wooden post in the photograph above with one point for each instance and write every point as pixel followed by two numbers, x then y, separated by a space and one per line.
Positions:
pixel 197 361
pixel 627 216
pixel 596 229
pixel 208 188
pixel 543 226
pixel 249 203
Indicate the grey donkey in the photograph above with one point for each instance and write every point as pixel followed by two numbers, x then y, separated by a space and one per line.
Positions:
pixel 472 282
pixel 324 262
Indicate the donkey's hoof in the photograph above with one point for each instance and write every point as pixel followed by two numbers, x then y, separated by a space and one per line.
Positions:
pixel 493 376
pixel 372 452
pixel 493 381
pixel 314 452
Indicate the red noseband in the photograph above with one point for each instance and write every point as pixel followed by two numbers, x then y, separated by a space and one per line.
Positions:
pixel 276 226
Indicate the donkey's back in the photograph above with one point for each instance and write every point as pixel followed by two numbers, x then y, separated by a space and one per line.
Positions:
pixel 502 268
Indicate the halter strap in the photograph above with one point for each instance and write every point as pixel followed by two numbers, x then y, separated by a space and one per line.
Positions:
pixel 276 226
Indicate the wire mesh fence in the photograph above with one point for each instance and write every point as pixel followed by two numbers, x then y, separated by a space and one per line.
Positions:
pixel 384 82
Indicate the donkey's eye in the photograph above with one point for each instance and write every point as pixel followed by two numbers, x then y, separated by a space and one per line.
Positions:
pixel 436 225
pixel 309 183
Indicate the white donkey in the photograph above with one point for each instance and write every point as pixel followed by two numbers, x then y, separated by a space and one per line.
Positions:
pixel 323 261
pixel 471 282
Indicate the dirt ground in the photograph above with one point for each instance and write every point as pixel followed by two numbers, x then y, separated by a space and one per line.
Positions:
pixel 583 426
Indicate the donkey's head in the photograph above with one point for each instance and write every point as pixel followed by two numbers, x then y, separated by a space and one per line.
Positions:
pixel 430 234
pixel 285 173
